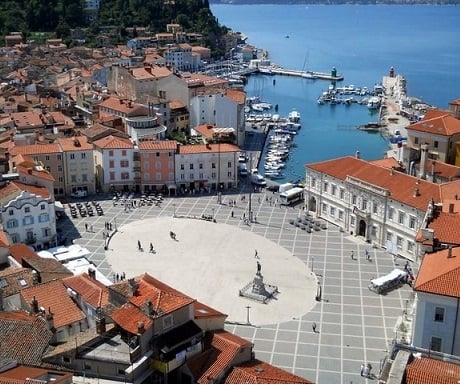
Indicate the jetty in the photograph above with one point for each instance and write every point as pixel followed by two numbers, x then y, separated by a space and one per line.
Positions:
pixel 277 70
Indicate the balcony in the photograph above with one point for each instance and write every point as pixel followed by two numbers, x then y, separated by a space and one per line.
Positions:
pixel 30 240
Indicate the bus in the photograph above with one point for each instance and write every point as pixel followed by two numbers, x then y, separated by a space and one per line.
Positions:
pixel 292 195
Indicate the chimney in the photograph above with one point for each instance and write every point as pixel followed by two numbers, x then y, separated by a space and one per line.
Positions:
pixel 100 321
pixel 449 252
pixel 423 159
pixel 91 273
pixel 149 308
pixel 391 171
pixel 34 305
pixel 140 327
pixel 451 208
pixel 50 319
pixel 416 192
pixel 358 155
pixel 132 287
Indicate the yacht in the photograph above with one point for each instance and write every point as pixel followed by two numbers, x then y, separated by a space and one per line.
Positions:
pixel 373 103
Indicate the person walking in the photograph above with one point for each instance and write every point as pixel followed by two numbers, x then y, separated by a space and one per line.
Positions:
pixel 232 214
pixel 152 250
pixel 139 246
pixel 256 254
pixel 86 226
pixel 368 257
pixel 362 370
pixel 313 326
pixel 352 255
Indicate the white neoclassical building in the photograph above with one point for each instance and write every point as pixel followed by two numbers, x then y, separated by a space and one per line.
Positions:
pixel 383 206
pixel 28 215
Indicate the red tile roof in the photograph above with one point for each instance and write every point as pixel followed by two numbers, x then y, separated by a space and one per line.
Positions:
pixel 91 290
pixel 258 372
pixel 438 273
pixel 113 142
pixel 220 355
pixel 125 107
pixel 20 250
pixel 36 149
pixel 444 125
pixel 14 189
pixel 400 185
pixel 207 148
pixel 429 371
pixel 53 295
pixel 446 227
pixel 204 311
pixel 15 279
pixel 164 299
pixel 23 337
pixel 168 145
pixel 75 143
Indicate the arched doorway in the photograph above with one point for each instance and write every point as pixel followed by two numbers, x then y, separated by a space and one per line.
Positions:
pixel 362 228
pixel 312 204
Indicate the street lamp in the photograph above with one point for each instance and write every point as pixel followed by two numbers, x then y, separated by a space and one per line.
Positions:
pixel 247 315
pixel 312 260
pixel 174 210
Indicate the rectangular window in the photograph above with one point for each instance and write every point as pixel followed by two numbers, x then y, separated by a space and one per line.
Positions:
pixel 389 236
pixel 191 166
pixel 84 178
pixel 182 167
pixel 412 222
pixel 342 193
pixel 229 164
pixel 313 182
pixel 332 211
pixel 375 208
pixel 340 214
pixel 124 163
pixel 201 166
pixel 73 178
pixel 124 175
pixel 123 152
pixel 158 176
pixel 435 144
pixel 439 314
pixel 192 176
pixel 83 155
pixel 324 208
pixel 167 322
pixel 229 174
pixel 59 157
pixel 325 186
pixel 111 163
pixel 27 209
pixel 415 140
pixel 213 165
pixel 110 152
pixel 374 231
pixel 352 221
pixel 391 211
pixel 11 212
pixel 47 157
pixel 333 189
pixel 72 156
pixel 112 175
pixel 353 199
pixel 364 204
pixel 410 246
pixel 213 175
pixel 399 241
pixel 182 176
pixel 157 154
pixel 436 344
pixel 42 207
pixel 401 218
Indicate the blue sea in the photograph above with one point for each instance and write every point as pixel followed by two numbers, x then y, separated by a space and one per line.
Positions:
pixel 362 42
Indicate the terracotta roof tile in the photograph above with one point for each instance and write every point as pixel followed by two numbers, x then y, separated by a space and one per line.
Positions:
pixel 169 145
pixel 15 279
pixel 14 189
pixel 400 185
pixel 128 317
pixel 207 148
pixel 91 290
pixel 36 149
pixel 444 125
pixel 438 273
pixel 75 143
pixel 225 348
pixel 429 371
pixel 236 95
pixel 53 295
pixel 258 372
pixel 20 250
pixel 113 142
pixel 446 227
pixel 23 337
pixel 204 311
pixel 125 107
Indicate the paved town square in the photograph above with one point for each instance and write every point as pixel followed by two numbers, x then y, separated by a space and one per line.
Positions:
pixel 318 281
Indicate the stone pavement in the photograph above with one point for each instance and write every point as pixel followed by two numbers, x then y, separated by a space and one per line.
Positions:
pixel 210 260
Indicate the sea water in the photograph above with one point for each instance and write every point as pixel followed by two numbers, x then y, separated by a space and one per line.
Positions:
pixel 362 42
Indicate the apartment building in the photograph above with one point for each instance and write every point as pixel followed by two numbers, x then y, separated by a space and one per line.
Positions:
pixel 157 164
pixel 79 167
pixel 206 166
pixel 114 159
pixel 434 137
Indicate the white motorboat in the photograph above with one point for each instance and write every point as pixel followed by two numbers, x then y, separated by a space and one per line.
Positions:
pixel 294 116
pixel 373 103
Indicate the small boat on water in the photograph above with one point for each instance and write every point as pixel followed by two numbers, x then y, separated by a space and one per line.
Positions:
pixel 274 175
pixel 374 103
pixel 294 116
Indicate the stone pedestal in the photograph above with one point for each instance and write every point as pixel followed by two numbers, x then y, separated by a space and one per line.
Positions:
pixel 258 286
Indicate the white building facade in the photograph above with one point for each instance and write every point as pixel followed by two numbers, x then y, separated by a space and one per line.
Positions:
pixel 368 204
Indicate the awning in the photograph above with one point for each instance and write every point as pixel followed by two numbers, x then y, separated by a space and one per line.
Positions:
pixel 58 206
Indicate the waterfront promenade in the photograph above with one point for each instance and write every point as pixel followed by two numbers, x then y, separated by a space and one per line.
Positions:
pixel 354 325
